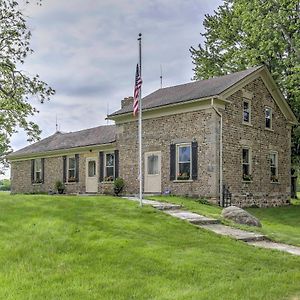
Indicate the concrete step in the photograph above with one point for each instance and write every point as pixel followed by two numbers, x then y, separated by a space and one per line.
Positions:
pixel 192 217
pixel 166 206
pixel 241 235
pixel 276 246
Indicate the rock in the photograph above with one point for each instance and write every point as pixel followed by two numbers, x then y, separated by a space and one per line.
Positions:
pixel 240 216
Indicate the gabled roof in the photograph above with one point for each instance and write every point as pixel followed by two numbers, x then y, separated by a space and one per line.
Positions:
pixel 189 91
pixel 62 141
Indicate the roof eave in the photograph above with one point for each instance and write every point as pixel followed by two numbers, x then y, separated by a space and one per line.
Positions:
pixel 177 104
pixel 57 152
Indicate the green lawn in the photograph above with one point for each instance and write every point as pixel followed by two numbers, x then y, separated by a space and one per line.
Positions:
pixel 68 247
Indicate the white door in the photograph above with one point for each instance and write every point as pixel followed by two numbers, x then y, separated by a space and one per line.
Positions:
pixel 152 172
pixel 91 175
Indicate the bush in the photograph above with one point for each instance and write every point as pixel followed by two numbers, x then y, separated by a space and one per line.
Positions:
pixel 118 185
pixel 60 187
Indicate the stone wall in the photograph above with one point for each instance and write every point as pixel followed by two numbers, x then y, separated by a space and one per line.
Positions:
pixel 158 134
pixel 260 191
pixel 53 168
pixel 53 171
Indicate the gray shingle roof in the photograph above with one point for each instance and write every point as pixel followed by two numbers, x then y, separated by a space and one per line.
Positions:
pixel 189 91
pixel 60 141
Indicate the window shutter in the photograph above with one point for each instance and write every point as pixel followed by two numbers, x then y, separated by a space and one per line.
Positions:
pixel 77 167
pixel 32 171
pixel 101 166
pixel 194 160
pixel 64 168
pixel 116 163
pixel 43 169
pixel 172 162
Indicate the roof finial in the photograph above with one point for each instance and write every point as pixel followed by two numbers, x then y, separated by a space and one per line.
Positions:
pixel 56 124
pixel 161 77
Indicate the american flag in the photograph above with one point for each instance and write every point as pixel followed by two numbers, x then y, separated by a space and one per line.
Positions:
pixel 137 90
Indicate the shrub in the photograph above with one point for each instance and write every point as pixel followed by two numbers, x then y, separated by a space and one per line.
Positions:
pixel 118 185
pixel 60 187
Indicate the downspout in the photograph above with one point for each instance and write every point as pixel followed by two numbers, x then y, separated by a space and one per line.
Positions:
pixel 221 151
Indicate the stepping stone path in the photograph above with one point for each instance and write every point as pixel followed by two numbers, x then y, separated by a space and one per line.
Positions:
pixel 211 224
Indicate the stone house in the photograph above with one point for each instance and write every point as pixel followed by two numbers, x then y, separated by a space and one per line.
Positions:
pixel 225 137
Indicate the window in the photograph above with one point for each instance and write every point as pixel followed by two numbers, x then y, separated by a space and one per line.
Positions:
pixel 268 117
pixel 153 164
pixel 71 169
pixel 246 111
pixel 246 164
pixel 91 168
pixel 38 170
pixel 274 166
pixel 109 167
pixel 183 164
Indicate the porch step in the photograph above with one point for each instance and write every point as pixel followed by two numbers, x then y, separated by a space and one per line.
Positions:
pixel 192 217
pixel 241 235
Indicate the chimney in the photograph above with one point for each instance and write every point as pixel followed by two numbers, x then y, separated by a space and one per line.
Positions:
pixel 127 101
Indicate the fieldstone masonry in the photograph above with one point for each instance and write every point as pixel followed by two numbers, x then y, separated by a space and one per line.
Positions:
pixel 260 191
pixel 158 134
pixel 21 177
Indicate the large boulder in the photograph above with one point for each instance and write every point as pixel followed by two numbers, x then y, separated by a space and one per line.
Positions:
pixel 240 216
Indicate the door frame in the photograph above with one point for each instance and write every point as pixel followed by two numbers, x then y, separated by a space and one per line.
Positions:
pixel 87 178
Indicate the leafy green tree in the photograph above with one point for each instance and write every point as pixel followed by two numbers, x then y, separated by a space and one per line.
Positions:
pixel 17 89
pixel 5 185
pixel 244 33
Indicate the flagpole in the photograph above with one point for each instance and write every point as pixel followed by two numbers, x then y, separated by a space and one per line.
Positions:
pixel 140 125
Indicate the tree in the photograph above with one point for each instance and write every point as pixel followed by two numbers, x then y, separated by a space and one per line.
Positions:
pixel 244 33
pixel 17 88
pixel 5 185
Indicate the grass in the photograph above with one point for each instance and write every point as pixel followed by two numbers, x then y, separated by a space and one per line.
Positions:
pixel 68 247
pixel 280 224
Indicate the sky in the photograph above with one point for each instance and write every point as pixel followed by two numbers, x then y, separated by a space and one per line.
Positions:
pixel 88 50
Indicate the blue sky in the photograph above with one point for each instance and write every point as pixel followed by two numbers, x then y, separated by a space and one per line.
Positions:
pixel 87 51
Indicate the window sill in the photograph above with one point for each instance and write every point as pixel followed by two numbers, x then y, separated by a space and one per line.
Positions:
pixel 247 124
pixel 179 180
pixel 37 183
pixel 107 182
pixel 70 182
pixel 247 181
pixel 275 182
pixel 269 129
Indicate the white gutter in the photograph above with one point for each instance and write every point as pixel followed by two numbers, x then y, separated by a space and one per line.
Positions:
pixel 221 151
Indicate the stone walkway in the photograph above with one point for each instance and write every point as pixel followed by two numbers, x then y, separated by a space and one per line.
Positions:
pixel 214 225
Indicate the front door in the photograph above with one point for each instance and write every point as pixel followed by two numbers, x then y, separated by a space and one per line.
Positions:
pixel 152 172
pixel 91 175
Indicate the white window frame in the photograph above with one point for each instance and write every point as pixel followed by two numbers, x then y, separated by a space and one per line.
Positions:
pixel 275 166
pixel 249 176
pixel 109 178
pixel 271 118
pixel 249 108
pixel 71 178
pixel 177 160
pixel 36 170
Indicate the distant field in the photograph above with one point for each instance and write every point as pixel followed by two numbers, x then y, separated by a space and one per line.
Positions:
pixel 68 247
